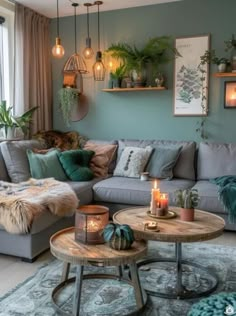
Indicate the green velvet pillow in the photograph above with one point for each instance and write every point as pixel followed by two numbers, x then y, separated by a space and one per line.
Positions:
pixel 46 165
pixel 76 164
pixel 163 161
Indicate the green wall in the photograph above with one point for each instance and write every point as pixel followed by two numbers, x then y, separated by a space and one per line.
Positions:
pixel 148 115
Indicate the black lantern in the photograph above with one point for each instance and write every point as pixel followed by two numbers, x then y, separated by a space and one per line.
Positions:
pixel 90 220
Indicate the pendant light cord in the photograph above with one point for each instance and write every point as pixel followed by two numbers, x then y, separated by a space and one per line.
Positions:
pixel 57 19
pixel 75 5
pixel 98 29
pixel 88 20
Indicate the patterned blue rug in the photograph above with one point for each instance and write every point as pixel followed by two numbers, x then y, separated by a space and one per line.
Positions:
pixel 111 298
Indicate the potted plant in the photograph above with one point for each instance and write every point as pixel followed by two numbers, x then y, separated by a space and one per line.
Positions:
pixel 210 57
pixel 187 200
pixel 68 97
pixel 119 237
pixel 8 122
pixel 231 45
pixel 117 76
pixel 157 51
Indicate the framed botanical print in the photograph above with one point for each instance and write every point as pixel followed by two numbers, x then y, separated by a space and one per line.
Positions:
pixel 191 77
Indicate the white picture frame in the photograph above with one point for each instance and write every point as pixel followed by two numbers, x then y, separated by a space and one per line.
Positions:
pixel 191 79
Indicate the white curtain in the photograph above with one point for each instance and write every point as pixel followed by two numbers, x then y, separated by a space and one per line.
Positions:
pixel 33 84
pixel 2 89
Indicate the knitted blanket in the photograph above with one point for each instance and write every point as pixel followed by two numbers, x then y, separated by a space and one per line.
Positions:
pixel 227 194
pixel 21 203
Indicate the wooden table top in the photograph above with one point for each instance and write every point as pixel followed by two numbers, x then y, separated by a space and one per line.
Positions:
pixel 204 227
pixel 64 247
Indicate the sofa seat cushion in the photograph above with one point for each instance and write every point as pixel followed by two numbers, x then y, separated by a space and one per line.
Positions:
pixel 209 200
pixel 84 190
pixel 133 191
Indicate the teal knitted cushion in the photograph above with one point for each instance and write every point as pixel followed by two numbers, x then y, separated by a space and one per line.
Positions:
pixel 76 164
pixel 215 305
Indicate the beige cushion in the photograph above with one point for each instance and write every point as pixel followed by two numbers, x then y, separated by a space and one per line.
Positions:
pixel 102 158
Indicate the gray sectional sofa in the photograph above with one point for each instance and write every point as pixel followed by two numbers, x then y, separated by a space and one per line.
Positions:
pixel 196 164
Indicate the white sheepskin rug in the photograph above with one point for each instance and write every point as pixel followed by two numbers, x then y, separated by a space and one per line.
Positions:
pixel 20 203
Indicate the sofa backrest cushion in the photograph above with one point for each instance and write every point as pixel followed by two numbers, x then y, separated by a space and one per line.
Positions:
pixel 15 157
pixel 216 160
pixel 184 168
pixel 3 170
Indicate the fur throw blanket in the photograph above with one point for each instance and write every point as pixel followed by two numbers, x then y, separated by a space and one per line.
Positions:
pixel 20 203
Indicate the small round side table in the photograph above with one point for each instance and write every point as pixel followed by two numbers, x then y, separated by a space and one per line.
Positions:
pixel 64 247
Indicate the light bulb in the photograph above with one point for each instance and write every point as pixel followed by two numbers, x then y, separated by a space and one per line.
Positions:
pixel 88 52
pixel 98 67
pixel 58 50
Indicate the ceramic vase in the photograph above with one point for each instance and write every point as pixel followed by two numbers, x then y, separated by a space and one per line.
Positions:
pixel 187 214
pixel 222 67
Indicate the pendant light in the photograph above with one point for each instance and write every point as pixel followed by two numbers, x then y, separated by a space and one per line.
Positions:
pixel 75 62
pixel 58 50
pixel 99 68
pixel 88 51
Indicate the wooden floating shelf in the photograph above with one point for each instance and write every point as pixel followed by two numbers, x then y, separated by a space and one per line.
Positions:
pixel 135 89
pixel 224 74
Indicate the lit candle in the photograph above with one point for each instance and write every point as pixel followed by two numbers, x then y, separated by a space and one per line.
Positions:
pixel 153 204
pixel 164 201
pixel 156 193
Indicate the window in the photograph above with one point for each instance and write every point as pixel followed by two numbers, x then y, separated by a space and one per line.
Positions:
pixel 6 53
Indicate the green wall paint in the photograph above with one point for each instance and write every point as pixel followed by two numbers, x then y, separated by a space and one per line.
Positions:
pixel 148 115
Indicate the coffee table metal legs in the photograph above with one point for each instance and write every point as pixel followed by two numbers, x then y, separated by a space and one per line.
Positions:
pixel 179 291
pixel 140 295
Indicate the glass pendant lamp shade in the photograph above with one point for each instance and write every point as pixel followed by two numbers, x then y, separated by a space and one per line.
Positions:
pixel 99 69
pixel 75 62
pixel 88 51
pixel 58 50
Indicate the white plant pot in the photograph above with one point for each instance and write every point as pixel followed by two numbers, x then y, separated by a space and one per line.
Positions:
pixel 222 67
pixel 9 133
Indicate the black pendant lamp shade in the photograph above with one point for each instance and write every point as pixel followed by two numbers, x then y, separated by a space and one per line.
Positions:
pixel 58 50
pixel 75 62
pixel 99 69
pixel 88 51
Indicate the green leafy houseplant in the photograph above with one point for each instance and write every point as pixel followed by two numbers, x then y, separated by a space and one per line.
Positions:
pixel 68 97
pixel 119 237
pixel 8 121
pixel 210 57
pixel 157 51
pixel 187 198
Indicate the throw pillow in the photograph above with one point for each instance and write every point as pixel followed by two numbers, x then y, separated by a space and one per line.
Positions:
pixel 102 157
pixel 46 166
pixel 163 161
pixel 132 162
pixel 76 164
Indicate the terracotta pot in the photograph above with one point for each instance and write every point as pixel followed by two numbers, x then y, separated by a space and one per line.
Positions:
pixel 187 214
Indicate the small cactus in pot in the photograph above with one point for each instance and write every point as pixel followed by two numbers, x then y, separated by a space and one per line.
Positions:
pixel 119 237
pixel 187 200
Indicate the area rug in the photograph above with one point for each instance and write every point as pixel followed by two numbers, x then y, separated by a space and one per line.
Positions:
pixel 33 297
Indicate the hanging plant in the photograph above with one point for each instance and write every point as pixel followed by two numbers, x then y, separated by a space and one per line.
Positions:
pixel 68 97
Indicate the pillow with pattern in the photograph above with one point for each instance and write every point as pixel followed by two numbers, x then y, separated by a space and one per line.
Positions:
pixel 132 162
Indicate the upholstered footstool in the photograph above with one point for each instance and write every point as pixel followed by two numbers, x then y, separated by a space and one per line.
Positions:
pixel 215 305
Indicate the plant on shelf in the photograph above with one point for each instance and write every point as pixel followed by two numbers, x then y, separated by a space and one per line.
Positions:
pixel 157 51
pixel 187 200
pixel 118 75
pixel 231 45
pixel 8 122
pixel 210 57
pixel 68 97
pixel 119 237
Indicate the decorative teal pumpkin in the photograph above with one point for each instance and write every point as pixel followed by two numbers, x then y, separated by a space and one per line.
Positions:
pixel 119 237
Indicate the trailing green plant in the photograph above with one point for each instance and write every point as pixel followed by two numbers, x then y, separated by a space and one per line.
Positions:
pixel 118 236
pixel 157 50
pixel 68 97
pixel 230 43
pixel 210 57
pixel 8 120
pixel 187 198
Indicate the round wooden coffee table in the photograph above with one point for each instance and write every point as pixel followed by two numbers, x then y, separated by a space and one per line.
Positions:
pixel 64 247
pixel 205 226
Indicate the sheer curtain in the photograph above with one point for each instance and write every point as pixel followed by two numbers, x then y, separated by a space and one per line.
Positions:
pixel 2 94
pixel 33 85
